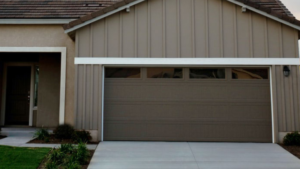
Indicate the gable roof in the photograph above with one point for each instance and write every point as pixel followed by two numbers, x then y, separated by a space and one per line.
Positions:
pixel 275 8
pixel 51 9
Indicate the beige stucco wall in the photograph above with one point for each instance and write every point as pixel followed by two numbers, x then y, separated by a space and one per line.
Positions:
pixel 49 89
pixel 44 36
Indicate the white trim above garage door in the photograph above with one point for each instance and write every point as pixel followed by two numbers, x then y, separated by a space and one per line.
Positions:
pixel 189 61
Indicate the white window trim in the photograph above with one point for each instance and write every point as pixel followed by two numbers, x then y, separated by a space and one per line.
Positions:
pixel 189 61
pixel 3 103
pixel 63 51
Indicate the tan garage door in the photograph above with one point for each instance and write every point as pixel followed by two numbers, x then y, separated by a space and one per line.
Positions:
pixel 187 104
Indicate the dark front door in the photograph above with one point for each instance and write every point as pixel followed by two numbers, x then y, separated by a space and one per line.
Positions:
pixel 17 92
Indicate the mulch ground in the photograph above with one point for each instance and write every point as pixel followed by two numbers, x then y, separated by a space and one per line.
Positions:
pixel 1 137
pixel 43 163
pixel 53 140
pixel 295 150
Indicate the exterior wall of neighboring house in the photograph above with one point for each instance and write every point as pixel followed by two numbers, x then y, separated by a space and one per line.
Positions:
pixel 186 29
pixel 46 36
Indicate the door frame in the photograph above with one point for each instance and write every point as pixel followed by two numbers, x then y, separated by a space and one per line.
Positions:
pixel 270 71
pixel 4 82
pixel 63 71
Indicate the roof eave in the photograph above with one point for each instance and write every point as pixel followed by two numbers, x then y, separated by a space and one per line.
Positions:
pixel 265 14
pixel 72 29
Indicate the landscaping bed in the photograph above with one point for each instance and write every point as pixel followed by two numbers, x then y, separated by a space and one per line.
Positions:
pixel 67 156
pixel 293 149
pixel 54 140
pixel 20 157
pixel 62 134
pixel 1 136
pixel 43 163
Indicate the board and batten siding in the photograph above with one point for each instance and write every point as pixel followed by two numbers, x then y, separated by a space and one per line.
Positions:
pixel 186 29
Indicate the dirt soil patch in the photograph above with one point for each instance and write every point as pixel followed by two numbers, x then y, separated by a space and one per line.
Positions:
pixel 53 140
pixel 295 150
pixel 43 163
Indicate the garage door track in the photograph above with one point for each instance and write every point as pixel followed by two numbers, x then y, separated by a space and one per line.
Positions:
pixel 191 155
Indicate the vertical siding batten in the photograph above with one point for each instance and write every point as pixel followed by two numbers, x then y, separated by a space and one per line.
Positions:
pixel 251 35
pixel 235 33
pixel 149 27
pixel 164 27
pixel 178 30
pixel 193 29
pixel 84 98
pixel 284 118
pixel 121 35
pixel 293 89
pixel 266 39
pixel 207 54
pixel 221 30
pixel 298 98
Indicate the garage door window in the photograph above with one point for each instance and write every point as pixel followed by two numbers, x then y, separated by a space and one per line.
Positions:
pixel 197 73
pixel 164 73
pixel 122 72
pixel 239 73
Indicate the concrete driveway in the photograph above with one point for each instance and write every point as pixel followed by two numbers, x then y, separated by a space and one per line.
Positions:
pixel 189 155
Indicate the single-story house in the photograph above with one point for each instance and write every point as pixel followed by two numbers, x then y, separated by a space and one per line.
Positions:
pixel 152 70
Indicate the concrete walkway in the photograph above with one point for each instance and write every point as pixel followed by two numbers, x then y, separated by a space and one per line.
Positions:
pixel 183 155
pixel 19 137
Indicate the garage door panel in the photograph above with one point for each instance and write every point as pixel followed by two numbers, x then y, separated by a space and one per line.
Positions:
pixel 187 110
pixel 192 131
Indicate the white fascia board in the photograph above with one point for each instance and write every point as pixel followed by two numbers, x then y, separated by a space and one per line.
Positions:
pixel 189 61
pixel 265 14
pixel 103 16
pixel 34 21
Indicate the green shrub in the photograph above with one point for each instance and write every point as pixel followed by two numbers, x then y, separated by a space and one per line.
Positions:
pixel 82 136
pixel 57 156
pixel 66 148
pixel 51 165
pixel 292 139
pixel 64 131
pixel 72 165
pixel 71 162
pixel 82 154
pixel 42 134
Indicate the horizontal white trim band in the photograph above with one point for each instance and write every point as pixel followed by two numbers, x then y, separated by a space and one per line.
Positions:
pixel 35 21
pixel 188 61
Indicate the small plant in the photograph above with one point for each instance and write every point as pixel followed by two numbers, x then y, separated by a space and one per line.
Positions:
pixel 56 156
pixel 71 163
pixel 292 139
pixel 82 154
pixel 42 134
pixel 64 131
pixel 82 136
pixel 51 165
pixel 67 148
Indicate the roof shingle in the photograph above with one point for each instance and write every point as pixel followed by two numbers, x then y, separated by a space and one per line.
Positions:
pixel 51 9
